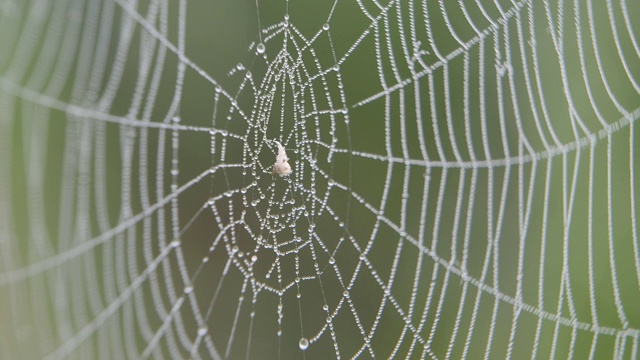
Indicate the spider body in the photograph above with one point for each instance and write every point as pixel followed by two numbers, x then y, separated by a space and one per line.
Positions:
pixel 281 166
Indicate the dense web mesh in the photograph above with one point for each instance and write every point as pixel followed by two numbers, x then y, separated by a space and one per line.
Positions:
pixel 462 179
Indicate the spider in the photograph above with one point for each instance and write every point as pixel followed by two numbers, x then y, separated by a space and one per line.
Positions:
pixel 281 166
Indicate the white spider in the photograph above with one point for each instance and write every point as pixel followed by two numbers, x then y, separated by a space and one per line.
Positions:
pixel 281 167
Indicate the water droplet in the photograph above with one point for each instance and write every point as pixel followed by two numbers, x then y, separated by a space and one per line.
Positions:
pixel 286 17
pixel 332 260
pixel 175 243
pixel 298 295
pixel 260 48
pixel 336 68
pixel 254 258
pixel 325 307
pixel 188 289
pixel 234 249
pixel 205 259
pixel 243 190
pixel 218 89
pixel 345 293
pixel 304 344
pixel 203 331
pixel 328 319
pixel 279 332
pixel 325 26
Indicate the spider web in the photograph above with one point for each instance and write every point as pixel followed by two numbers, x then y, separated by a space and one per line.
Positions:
pixel 463 179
